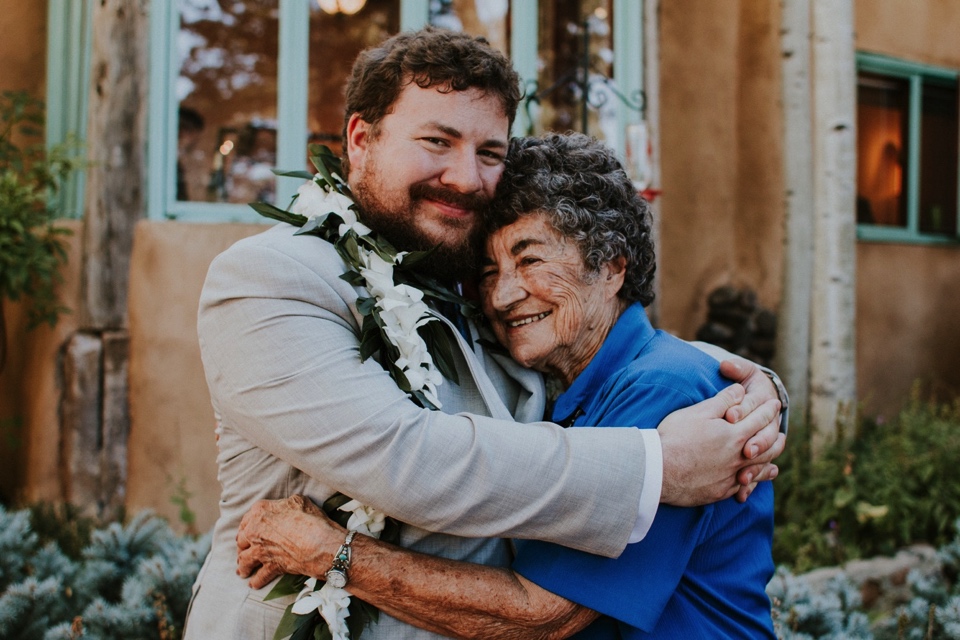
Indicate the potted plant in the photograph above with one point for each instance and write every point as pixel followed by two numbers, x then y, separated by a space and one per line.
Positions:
pixel 32 247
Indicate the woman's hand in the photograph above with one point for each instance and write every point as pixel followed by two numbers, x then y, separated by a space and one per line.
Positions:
pixel 285 536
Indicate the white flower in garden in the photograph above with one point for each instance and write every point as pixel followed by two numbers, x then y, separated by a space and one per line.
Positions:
pixel 330 601
pixel 363 519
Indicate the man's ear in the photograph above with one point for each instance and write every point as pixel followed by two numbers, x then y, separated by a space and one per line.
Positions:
pixel 614 273
pixel 358 136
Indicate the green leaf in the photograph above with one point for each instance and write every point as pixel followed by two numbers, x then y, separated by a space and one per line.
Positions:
pixel 306 625
pixel 325 162
pixel 288 585
pixel 269 211
pixel 310 227
pixel 353 278
pixel 306 175
pixel 438 342
pixel 371 339
pixel 365 306
pixel 289 623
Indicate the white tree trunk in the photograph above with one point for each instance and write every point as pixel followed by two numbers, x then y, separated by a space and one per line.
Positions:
pixel 832 354
pixel 651 91
pixel 793 335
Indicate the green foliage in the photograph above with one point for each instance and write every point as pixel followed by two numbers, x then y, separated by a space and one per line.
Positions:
pixel 32 249
pixel 126 581
pixel 835 612
pixel 893 484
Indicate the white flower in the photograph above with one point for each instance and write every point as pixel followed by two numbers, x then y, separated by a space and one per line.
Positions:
pixel 330 601
pixel 314 201
pixel 363 519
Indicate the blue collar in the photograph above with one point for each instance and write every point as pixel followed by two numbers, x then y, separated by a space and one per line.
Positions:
pixel 626 340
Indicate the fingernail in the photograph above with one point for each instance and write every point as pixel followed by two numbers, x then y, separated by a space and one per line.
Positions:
pixel 749 478
pixel 754 450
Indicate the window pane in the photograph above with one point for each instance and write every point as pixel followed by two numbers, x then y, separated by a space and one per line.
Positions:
pixel 335 41
pixel 938 160
pixel 227 92
pixel 487 18
pixel 561 57
pixel 881 150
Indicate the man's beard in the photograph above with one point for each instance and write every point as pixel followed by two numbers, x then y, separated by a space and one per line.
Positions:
pixel 448 261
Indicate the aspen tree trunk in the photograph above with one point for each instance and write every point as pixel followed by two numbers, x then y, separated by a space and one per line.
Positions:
pixel 94 408
pixel 651 90
pixel 832 353
pixel 793 337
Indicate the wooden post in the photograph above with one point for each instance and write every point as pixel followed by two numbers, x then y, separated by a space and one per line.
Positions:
pixel 793 337
pixel 116 135
pixel 95 417
pixel 651 91
pixel 832 353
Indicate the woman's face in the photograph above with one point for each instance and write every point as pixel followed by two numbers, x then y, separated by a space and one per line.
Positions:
pixel 542 303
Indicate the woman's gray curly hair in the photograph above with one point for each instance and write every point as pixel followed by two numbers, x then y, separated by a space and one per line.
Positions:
pixel 589 199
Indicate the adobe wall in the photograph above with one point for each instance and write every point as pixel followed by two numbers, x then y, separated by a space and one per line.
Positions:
pixel 23 47
pixel 722 210
pixel 172 440
pixel 908 296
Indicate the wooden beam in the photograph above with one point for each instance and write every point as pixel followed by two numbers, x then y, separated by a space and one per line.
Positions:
pixel 116 143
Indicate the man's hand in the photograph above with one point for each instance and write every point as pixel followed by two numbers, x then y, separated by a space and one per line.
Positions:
pixel 706 459
pixel 284 536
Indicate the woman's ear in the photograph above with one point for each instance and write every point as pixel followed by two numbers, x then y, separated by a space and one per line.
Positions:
pixel 614 273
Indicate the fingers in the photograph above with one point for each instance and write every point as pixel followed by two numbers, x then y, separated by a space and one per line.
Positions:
pixel 720 404
pixel 737 369
pixel 757 431
pixel 758 386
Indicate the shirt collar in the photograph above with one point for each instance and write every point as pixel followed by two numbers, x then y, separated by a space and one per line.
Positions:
pixel 629 335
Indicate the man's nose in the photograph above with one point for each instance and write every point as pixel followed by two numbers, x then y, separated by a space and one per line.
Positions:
pixel 463 173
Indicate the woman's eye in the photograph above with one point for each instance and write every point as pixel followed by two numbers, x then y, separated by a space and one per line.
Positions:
pixel 529 260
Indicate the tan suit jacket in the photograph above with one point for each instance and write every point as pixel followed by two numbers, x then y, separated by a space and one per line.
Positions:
pixel 301 414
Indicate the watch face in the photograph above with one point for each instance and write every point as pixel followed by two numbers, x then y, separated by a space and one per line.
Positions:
pixel 336 579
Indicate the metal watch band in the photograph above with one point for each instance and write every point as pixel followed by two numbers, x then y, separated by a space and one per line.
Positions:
pixel 339 573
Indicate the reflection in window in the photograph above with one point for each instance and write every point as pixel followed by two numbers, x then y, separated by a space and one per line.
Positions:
pixel 488 18
pixel 881 148
pixel 227 93
pixel 561 51
pixel 938 160
pixel 335 40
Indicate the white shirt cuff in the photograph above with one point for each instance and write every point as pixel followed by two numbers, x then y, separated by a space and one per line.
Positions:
pixel 652 484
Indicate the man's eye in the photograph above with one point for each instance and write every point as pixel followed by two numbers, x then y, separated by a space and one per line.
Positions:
pixel 491 157
pixel 439 142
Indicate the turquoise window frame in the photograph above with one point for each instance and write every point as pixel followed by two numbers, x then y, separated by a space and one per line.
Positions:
pixel 68 72
pixel 68 78
pixel 915 73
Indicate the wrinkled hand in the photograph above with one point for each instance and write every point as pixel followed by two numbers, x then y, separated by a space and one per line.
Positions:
pixel 284 536
pixel 706 459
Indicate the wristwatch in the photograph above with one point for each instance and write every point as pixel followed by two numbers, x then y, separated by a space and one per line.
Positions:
pixel 339 573
pixel 784 398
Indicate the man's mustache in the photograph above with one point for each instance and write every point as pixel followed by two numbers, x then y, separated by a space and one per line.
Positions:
pixel 469 201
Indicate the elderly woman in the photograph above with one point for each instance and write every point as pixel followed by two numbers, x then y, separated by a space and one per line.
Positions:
pixel 568 270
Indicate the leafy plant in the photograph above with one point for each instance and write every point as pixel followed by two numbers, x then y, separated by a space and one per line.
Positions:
pixel 32 248
pixel 893 484
pixel 127 580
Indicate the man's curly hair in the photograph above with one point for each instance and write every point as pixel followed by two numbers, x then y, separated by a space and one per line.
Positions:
pixel 430 57
pixel 587 196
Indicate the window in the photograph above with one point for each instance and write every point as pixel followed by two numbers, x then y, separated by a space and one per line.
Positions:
pixel 908 145
pixel 239 87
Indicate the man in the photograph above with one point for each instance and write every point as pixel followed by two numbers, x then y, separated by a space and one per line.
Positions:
pixel 428 116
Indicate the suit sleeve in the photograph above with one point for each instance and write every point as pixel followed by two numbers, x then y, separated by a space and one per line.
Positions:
pixel 281 355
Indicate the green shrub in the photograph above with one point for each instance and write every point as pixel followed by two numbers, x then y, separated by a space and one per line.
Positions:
pixel 108 581
pixel 894 483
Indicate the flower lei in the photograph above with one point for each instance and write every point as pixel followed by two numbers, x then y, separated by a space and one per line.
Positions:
pixel 415 350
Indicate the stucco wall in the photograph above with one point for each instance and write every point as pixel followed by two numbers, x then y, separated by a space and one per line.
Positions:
pixel 722 210
pixel 172 438
pixel 23 24
pixel 908 296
